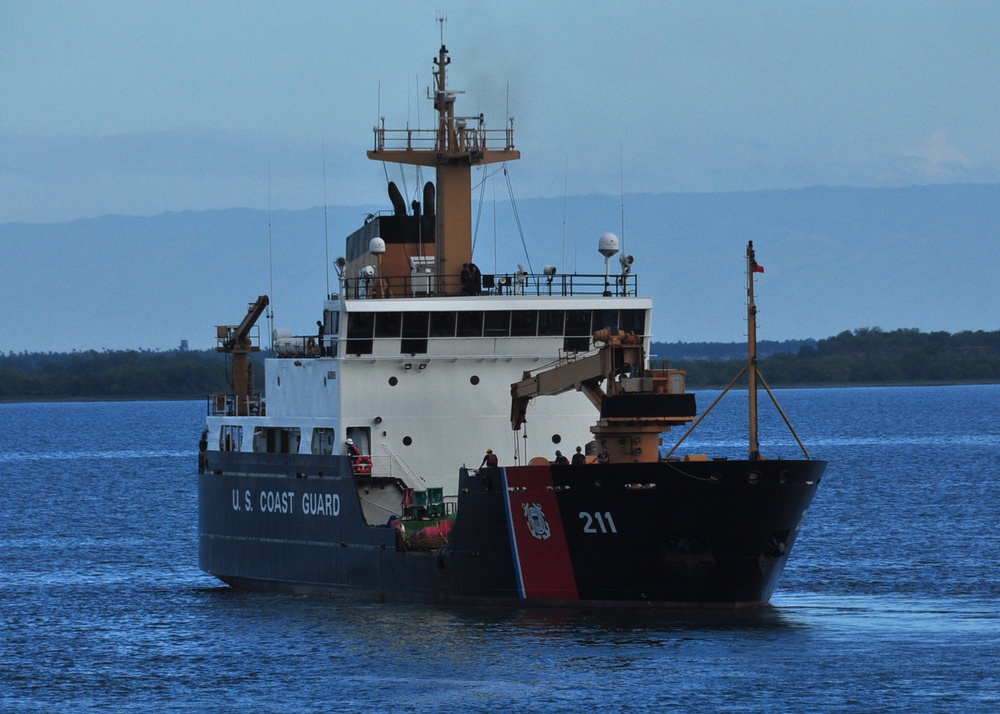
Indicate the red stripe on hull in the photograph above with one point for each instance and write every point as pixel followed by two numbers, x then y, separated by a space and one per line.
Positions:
pixel 544 569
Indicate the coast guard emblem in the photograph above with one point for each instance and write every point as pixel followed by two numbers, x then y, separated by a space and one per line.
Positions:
pixel 537 524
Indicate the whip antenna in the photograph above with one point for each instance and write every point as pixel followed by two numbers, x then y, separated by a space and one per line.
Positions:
pixel 270 260
pixel 326 226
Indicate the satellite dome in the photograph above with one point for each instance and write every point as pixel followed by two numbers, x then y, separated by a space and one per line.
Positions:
pixel 608 245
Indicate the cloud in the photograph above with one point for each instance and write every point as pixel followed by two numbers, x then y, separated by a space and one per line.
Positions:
pixel 935 160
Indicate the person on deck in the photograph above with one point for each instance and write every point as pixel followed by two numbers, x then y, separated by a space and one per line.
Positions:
pixel 578 457
pixel 490 460
pixel 603 457
pixel 203 451
pixel 352 450
pixel 560 459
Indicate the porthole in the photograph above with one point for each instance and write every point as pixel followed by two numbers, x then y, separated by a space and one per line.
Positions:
pixel 393 381
pixel 556 438
pixel 407 441
pixel 474 379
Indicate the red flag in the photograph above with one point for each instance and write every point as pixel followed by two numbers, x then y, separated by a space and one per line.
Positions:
pixel 758 268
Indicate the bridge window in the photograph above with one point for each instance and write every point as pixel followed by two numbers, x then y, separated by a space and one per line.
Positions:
pixel 414 333
pixel 604 318
pixel 524 323
pixel 387 324
pixel 470 324
pixel 550 323
pixel 633 321
pixel 497 323
pixel 360 328
pixel 578 323
pixel 442 324
pixel 577 331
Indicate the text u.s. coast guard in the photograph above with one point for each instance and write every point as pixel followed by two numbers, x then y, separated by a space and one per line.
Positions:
pixel 311 504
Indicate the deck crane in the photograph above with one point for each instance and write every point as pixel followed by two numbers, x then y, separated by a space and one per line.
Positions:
pixel 636 404
pixel 239 342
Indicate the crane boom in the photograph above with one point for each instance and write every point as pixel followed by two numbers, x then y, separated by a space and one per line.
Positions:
pixel 636 404
pixel 238 342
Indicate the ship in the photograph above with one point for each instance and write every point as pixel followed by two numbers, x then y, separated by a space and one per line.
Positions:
pixel 414 446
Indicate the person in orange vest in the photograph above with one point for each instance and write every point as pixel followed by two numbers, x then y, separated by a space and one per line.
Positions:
pixel 352 450
pixel 490 460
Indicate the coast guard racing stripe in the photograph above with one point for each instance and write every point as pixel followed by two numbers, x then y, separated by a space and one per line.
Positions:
pixel 537 539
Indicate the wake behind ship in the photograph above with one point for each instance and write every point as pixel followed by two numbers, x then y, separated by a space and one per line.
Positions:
pixel 351 476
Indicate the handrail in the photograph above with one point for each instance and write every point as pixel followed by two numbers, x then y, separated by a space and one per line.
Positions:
pixel 426 285
pixel 408 477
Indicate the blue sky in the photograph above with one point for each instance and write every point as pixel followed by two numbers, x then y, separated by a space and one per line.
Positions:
pixel 140 108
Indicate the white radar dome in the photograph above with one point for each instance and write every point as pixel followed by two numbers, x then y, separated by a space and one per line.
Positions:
pixel 376 246
pixel 607 245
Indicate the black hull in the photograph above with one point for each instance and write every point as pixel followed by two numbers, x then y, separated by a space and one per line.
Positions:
pixel 684 534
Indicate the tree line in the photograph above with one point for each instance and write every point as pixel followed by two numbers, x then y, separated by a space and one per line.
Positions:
pixel 868 355
pixel 864 356
pixel 113 374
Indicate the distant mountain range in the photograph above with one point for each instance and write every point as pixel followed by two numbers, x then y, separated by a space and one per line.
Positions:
pixel 836 259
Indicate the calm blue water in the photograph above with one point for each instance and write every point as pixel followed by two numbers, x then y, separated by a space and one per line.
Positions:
pixel 891 601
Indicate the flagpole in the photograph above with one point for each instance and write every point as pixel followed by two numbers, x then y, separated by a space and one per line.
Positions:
pixel 752 352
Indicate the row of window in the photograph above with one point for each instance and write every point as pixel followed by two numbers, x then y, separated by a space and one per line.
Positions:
pixel 283 440
pixel 414 328
pixel 492 323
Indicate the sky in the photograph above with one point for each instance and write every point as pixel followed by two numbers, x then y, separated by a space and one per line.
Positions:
pixel 139 107
pixel 135 108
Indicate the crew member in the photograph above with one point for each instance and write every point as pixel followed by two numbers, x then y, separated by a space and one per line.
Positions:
pixel 578 457
pixel 560 459
pixel 352 450
pixel 203 451
pixel 603 457
pixel 360 465
pixel 490 460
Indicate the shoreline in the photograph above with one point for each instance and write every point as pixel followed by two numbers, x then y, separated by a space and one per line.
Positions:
pixel 700 388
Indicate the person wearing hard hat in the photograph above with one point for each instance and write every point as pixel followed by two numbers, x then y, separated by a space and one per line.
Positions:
pixel 352 450
pixel 560 459
pixel 490 459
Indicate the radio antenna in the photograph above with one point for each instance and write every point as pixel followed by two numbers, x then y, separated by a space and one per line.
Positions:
pixel 621 191
pixel 326 225
pixel 270 261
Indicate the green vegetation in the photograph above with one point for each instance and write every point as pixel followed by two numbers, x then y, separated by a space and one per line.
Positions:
pixel 864 356
pixel 112 375
pixel 868 356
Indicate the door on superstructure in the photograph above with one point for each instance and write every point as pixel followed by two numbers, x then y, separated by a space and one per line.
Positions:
pixel 362 437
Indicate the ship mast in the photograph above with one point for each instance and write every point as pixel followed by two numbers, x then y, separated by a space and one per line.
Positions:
pixel 452 148
pixel 750 369
pixel 752 374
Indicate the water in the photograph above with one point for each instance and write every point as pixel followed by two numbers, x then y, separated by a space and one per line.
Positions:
pixel 889 603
